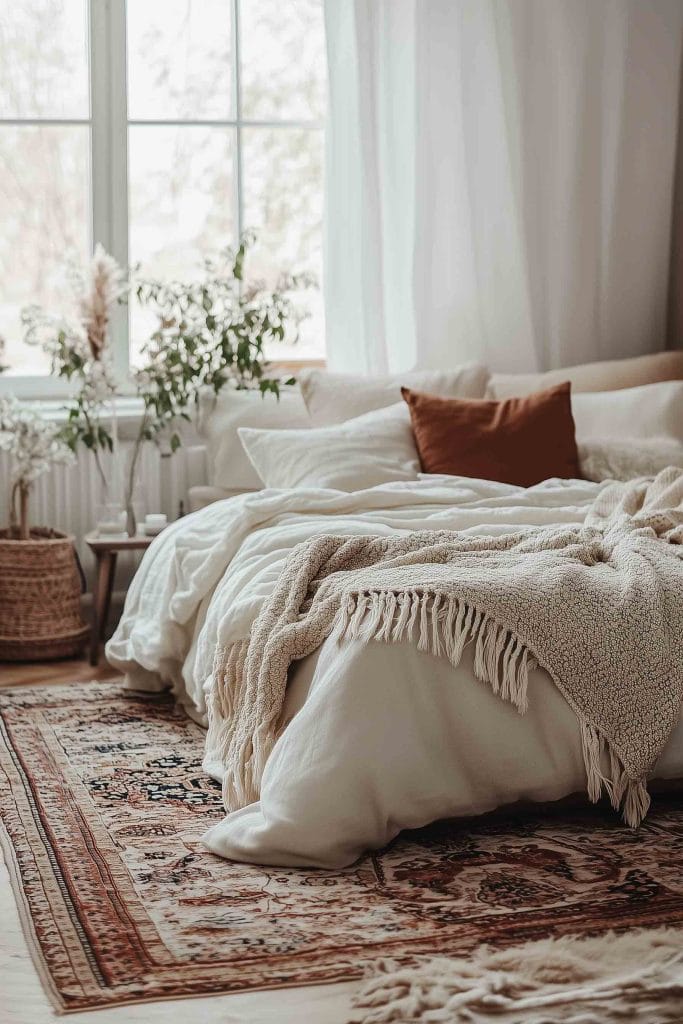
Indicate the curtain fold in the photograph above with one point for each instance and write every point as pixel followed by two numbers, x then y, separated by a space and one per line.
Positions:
pixel 500 180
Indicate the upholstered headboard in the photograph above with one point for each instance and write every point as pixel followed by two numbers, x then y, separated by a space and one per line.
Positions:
pixel 612 375
pixel 229 472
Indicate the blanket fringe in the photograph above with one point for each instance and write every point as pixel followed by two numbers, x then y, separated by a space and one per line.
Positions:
pixel 222 702
pixel 444 625
pixel 617 784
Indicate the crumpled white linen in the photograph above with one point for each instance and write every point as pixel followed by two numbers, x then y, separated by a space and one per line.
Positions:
pixel 193 588
pixel 381 737
pixel 387 738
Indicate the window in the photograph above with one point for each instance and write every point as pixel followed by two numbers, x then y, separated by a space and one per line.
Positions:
pixel 162 129
pixel 45 195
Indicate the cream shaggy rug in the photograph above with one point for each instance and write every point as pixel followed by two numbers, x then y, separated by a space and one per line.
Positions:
pixel 637 976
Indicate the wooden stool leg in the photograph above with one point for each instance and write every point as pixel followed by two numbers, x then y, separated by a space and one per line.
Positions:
pixel 106 567
pixel 108 592
pixel 95 628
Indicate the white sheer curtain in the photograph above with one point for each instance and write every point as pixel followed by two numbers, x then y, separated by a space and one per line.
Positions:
pixel 500 180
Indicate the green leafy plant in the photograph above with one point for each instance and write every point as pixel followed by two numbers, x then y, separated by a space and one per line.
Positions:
pixel 211 332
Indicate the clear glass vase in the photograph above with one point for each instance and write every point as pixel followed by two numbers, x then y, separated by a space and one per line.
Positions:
pixel 110 513
pixel 134 500
pixel 110 519
pixel 119 487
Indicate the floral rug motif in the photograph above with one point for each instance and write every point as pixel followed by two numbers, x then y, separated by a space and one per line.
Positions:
pixel 104 802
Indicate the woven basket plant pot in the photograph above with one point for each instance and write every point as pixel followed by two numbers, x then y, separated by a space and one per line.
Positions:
pixel 40 597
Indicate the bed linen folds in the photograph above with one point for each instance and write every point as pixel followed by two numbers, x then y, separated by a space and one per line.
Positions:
pixel 599 606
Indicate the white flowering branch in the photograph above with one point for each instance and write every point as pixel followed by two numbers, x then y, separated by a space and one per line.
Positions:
pixel 34 446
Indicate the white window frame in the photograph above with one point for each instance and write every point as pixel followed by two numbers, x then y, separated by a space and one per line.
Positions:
pixel 108 123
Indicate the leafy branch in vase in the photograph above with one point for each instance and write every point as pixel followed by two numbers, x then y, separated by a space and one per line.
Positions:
pixel 210 333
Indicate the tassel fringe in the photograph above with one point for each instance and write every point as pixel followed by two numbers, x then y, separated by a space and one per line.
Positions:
pixel 223 707
pixel 443 626
pixel 617 784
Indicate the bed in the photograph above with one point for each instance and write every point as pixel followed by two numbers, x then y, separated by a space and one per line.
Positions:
pixel 374 738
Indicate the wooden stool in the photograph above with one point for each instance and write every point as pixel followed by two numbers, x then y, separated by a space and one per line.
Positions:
pixel 105 550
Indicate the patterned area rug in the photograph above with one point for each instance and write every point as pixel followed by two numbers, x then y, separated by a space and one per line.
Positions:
pixel 104 801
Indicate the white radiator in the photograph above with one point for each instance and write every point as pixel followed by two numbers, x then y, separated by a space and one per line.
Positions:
pixel 65 498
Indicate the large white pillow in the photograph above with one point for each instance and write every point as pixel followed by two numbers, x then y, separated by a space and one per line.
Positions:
pixel 647 412
pixel 372 449
pixel 228 464
pixel 334 397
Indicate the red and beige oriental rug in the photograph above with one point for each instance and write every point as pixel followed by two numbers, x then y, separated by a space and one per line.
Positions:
pixel 104 802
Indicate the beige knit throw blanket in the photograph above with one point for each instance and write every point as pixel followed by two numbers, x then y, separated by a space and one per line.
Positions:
pixel 600 607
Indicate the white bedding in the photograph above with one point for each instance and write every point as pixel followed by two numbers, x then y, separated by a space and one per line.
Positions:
pixel 382 737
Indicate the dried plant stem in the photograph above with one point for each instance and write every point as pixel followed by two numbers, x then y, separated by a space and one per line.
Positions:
pixel 135 455
pixel 100 470
pixel 96 454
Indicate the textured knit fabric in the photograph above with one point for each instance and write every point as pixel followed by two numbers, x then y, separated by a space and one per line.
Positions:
pixel 600 607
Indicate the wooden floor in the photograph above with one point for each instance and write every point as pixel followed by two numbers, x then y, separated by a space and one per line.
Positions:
pixel 67 670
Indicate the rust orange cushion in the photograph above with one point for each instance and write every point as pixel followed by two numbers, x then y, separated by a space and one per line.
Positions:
pixel 516 441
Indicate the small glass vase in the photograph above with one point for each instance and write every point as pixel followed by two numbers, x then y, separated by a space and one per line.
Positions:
pixel 110 519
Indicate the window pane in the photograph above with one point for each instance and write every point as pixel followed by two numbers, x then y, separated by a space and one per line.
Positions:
pixel 181 197
pixel 282 59
pixel 179 59
pixel 283 203
pixel 44 212
pixel 43 58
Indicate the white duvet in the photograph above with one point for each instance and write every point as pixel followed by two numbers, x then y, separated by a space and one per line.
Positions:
pixel 375 738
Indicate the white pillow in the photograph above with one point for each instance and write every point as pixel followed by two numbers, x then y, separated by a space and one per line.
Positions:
pixel 647 412
pixel 228 465
pixel 612 458
pixel 334 397
pixel 372 449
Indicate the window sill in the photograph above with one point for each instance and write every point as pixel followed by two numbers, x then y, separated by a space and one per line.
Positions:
pixel 128 407
pixel 52 392
pixel 128 413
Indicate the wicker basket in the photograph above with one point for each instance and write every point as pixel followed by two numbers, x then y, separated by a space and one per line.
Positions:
pixel 40 597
